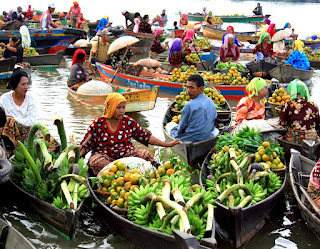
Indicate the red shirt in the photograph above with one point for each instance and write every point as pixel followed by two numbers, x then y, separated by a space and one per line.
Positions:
pixel 114 144
pixel 269 49
pixel 229 54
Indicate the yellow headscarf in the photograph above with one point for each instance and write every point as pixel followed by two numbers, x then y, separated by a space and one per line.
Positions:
pixel 298 45
pixel 189 26
pixel 111 104
pixel 106 17
pixel 255 85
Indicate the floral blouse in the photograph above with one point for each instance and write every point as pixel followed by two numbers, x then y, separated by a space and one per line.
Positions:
pixel 248 109
pixel 300 114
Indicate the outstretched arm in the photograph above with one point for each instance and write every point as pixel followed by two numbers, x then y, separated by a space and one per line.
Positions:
pixel 156 141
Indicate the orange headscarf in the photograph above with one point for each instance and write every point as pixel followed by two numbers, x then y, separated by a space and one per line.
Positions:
pixel 111 104
pixel 76 3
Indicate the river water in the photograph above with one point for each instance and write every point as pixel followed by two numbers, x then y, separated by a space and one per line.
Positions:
pixel 286 229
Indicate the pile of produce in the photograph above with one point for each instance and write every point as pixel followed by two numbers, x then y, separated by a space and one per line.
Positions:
pixel 179 75
pixel 203 43
pixel 162 200
pixel 1 50
pixel 59 179
pixel 279 97
pixel 193 57
pixel 313 55
pixel 230 64
pixel 233 77
pixel 151 66
pixel 216 19
pixel 235 15
pixel 30 51
pixel 154 70
pixel 239 178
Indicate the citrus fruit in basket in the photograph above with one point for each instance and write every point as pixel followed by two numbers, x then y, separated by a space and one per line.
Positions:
pixel 279 97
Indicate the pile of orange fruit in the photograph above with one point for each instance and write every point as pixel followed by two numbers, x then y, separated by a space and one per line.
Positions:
pixel 271 159
pixel 279 97
pixel 233 77
pixel 178 75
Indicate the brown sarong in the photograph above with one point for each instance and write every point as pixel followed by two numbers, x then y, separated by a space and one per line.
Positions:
pixel 97 161
pixel 297 136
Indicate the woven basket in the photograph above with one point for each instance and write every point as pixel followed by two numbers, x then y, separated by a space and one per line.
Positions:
pixel 275 109
pixel 280 172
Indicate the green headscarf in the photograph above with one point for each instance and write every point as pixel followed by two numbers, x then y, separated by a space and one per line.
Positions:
pixel 298 87
pixel 255 85
pixel 264 35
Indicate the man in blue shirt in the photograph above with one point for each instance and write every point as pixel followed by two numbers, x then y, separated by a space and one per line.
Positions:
pixel 198 116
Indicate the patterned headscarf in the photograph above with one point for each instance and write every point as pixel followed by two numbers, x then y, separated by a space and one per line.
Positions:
pixel 255 85
pixel 298 45
pixel 111 104
pixel 225 44
pixel 270 27
pixel 189 35
pixel 264 35
pixel 298 88
pixel 157 32
pixel 175 47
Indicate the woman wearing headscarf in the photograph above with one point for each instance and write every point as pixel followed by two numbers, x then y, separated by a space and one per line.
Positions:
pixel 156 47
pixel 252 106
pixel 19 106
pixel 272 29
pixel 74 14
pixel 13 48
pixel 137 20
pixel 37 16
pixel 190 34
pixel 209 14
pixel 158 20
pixel 109 137
pixel 183 20
pixel 229 50
pixel 78 73
pixel 278 39
pixel 298 59
pixel 300 116
pixel 264 47
pixel 264 26
pixel 6 17
pixel 103 23
pixel 178 52
pixel 230 30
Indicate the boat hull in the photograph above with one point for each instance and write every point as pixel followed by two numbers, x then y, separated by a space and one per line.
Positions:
pixel 300 168
pixel 63 220
pixel 137 100
pixel 261 68
pixel 239 225
pixel 286 74
pixel 240 19
pixel 71 51
pixel 217 34
pixel 44 59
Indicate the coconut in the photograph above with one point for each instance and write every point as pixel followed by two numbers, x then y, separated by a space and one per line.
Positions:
pixel 158 69
pixel 95 87
pixel 164 72
pixel 151 70
pixel 145 69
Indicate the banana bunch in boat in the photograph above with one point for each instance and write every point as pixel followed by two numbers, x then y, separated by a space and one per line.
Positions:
pixel 30 51
pixel 59 179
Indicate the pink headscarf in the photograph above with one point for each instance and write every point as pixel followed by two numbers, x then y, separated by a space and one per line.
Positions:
pixel 189 35
pixel 270 27
pixel 225 45
pixel 185 17
pixel 157 32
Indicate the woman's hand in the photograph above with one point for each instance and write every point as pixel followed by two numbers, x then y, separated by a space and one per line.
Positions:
pixel 173 143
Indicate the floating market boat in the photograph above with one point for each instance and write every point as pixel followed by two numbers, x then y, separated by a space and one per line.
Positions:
pixel 190 151
pixel 313 63
pixel 286 74
pixel 261 68
pixel 300 168
pixel 11 238
pixel 6 67
pixel 63 220
pixel 215 33
pixel 144 43
pixel 143 237
pixel 238 225
pixel 137 99
pixel 236 18
pixel 51 61
pixel 57 39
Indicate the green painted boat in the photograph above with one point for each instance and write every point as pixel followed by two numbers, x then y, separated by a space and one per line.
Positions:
pixel 241 19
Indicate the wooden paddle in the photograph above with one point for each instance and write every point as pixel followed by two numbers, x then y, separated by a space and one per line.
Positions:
pixel 309 199
pixel 127 49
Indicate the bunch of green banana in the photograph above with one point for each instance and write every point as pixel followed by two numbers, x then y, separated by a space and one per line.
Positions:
pixel 58 202
pixel 136 196
pixel 274 183
pixel 257 191
pixel 198 225
pixel 140 215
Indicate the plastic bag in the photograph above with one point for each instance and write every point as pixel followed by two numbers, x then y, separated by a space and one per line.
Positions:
pixel 95 87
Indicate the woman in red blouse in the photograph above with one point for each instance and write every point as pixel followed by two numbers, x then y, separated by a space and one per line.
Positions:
pixel 109 136
pixel 229 50
pixel 264 46
pixel 272 29
pixel 156 47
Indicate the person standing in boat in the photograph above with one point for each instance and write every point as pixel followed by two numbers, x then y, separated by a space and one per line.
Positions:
pixel 204 12
pixel 13 48
pixel 137 20
pixel 252 106
pixel 298 59
pixel 74 14
pixel 99 49
pixel 109 137
pixel 229 50
pixel 46 19
pixel 300 116
pixel 129 16
pixel 103 23
pixel 144 26
pixel 158 20
pixel 258 10
pixel 6 17
pixel 164 16
pixel 264 48
pixel 78 73
pixel 198 115
pixel 156 47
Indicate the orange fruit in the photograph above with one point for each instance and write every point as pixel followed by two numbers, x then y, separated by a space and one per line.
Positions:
pixel 120 202
pixel 113 182
pixel 105 173
pixel 121 166
pixel 127 177
pixel 113 168
pixel 279 99
pixel 106 183
pixel 126 195
pixel 120 181
pixel 170 172
pixel 127 186
pixel 104 189
pixel 134 178
pixel 132 188
pixel 167 165
pixel 135 171
pixel 109 200
pixel 265 157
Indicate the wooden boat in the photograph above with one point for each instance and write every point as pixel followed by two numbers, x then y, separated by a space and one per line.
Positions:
pixel 143 237
pixel 215 33
pixel 57 39
pixel 239 225
pixel 190 151
pixel 6 67
pixel 286 74
pixel 240 19
pixel 143 46
pixel 300 169
pixel 137 99
pixel 71 51
pixel 261 68
pixel 10 238
pixel 52 60
pixel 313 63
pixel 63 220
pixel 152 79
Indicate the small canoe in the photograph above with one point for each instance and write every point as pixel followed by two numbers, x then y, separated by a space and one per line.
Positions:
pixel 71 51
pixel 137 99
pixel 190 151
pixel 215 33
pixel 63 220
pixel 300 168
pixel 261 68
pixel 143 46
pixel 240 19
pixel 44 60
pixel 238 225
pixel 286 74
pixel 11 238
pixel 7 65
pixel 143 237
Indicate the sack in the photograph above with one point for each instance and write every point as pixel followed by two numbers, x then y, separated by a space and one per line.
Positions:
pixel 81 43
pixel 297 136
pixel 95 87
pixel 148 63
pixel 134 70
